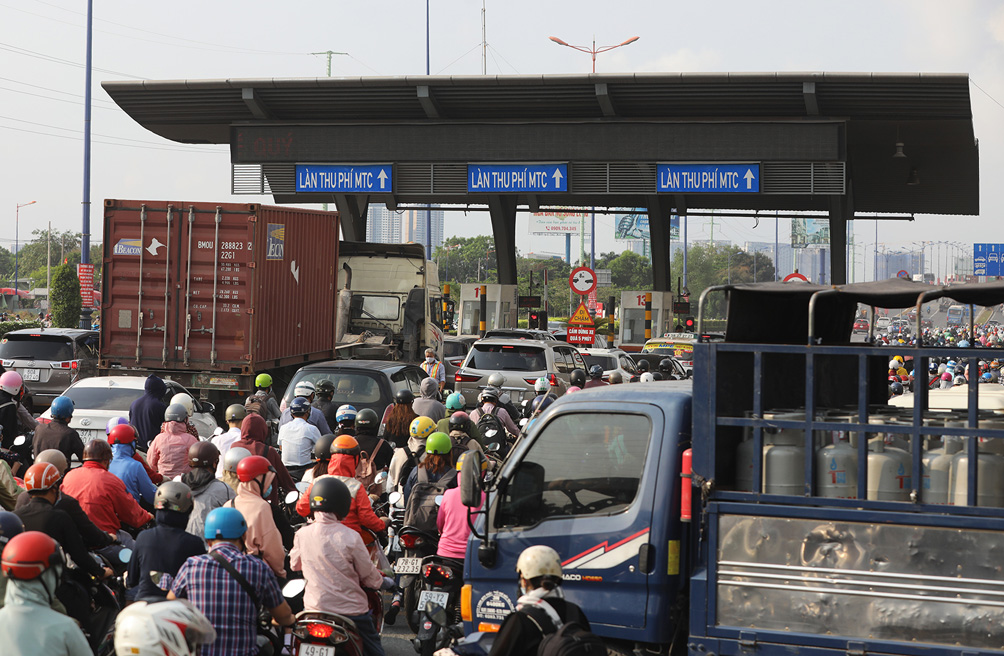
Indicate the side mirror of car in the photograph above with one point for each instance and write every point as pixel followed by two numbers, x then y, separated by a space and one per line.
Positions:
pixel 208 407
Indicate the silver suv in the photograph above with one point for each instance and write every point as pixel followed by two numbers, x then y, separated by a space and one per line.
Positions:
pixel 522 362
pixel 50 359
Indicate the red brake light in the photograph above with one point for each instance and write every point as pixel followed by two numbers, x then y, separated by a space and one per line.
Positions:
pixel 75 364
pixel 530 381
pixel 552 379
pixel 44 420
pixel 317 630
pixel 409 540
pixel 466 378
pixel 437 575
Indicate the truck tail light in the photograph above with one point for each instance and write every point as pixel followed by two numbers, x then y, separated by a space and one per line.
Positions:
pixel 686 486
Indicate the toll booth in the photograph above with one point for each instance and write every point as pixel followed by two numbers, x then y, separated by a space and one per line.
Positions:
pixel 502 307
pixel 632 318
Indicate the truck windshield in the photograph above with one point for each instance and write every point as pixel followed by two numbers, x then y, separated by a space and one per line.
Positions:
pixel 581 464
pixel 386 308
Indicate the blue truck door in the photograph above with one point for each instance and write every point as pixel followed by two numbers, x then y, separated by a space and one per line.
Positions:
pixel 585 484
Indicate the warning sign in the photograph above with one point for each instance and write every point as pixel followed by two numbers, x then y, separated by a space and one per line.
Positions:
pixel 581 334
pixel 581 317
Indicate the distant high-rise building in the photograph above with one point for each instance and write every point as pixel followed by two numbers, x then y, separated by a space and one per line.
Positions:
pixel 383 226
pixel 413 227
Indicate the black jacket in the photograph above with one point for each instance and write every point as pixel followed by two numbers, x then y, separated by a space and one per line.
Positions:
pixel 521 631
pixel 146 413
pixel 8 420
pixel 163 548
pixel 58 435
pixel 94 537
pixel 40 515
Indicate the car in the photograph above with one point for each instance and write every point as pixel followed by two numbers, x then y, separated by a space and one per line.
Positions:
pixel 522 362
pixel 454 351
pixel 360 383
pixel 100 398
pixel 882 324
pixel 680 346
pixel 517 333
pixel 861 326
pixel 50 359
pixel 611 359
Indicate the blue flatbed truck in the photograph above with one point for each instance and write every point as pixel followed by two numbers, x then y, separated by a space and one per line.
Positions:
pixel 791 563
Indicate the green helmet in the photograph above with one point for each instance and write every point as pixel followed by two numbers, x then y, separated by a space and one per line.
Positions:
pixel 262 381
pixel 455 401
pixel 438 444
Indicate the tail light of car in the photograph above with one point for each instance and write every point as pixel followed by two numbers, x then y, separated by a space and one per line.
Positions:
pixel 466 378
pixel 44 420
pixel 69 364
pixel 457 363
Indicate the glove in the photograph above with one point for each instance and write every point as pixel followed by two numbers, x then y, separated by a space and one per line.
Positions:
pixel 388 583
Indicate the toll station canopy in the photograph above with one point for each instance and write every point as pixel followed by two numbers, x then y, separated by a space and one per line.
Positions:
pixel 840 143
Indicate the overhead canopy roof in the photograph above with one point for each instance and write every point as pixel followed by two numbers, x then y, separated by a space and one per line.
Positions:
pixel 929 113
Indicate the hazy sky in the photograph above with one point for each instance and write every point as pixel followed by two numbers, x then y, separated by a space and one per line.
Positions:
pixel 42 80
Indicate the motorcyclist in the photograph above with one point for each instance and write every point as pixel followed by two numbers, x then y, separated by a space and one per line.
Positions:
pixel 345 420
pixel 322 456
pixel 154 475
pixel 428 405
pixel 10 388
pixel 367 427
pixel 305 389
pixel 577 378
pixel 57 434
pixel 42 481
pixel 436 463
pixel 643 368
pixel 267 403
pixel 234 415
pixel 230 462
pixel 397 418
pixel 461 430
pixel 263 539
pixel 254 432
pixel 102 495
pixel 146 413
pixel 162 628
pixel 188 403
pixel 10 525
pixel 208 492
pixel 297 438
pixel 488 403
pixel 163 549
pixel 408 456
pixel 9 489
pixel 542 607
pixel 452 517
pixel 335 562
pixel 455 402
pixel 595 377
pixel 169 450
pixel 325 392
pixel 33 564
pixel 122 439
pixel 497 380
pixel 666 369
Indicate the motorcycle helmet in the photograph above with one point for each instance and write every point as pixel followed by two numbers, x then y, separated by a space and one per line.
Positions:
pixel 666 366
pixel 325 388
pixel 459 421
pixel 122 434
pixel 41 477
pixel 61 408
pixel 185 400
pixel 346 413
pixel 54 456
pixel 896 388
pixel 367 422
pixel 541 403
pixel 577 378
pixel 345 445
pixel 573 388
pixel 10 525
pixel 235 412
pixel 27 555
pixel 176 412
pixel 595 372
pixel 329 494
pixel 304 388
pixel 422 427
pixel 496 380
pixel 263 381
pixel 404 397
pixel 537 561
pixel 986 378
pixel 113 422
pixel 173 495
pixel 97 451
pixel 252 467
pixel 643 366
pixel 454 402
pixel 959 380
pixel 489 395
pixel 203 454
pixel 300 407
pixel 646 377
pixel 615 378
pixel 224 523
pixel 657 375
pixel 233 457
pixel 438 444
pixel 946 376
pixel 11 382
pixel 322 447
pixel 541 385
pixel 161 628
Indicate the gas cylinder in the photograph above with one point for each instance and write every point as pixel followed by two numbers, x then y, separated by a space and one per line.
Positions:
pixel 936 465
pixel 989 479
pixel 837 471
pixel 888 472
pixel 784 471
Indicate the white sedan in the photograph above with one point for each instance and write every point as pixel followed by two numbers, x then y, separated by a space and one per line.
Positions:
pixel 611 359
pixel 100 398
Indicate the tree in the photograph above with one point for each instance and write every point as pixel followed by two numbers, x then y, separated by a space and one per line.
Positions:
pixel 631 271
pixel 64 297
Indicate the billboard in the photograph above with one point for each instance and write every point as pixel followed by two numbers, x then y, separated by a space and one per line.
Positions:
pixel 810 232
pixel 557 222
pixel 630 227
pixel 987 259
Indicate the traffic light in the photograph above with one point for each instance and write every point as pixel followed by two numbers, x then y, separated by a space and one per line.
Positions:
pixel 689 324
pixel 534 320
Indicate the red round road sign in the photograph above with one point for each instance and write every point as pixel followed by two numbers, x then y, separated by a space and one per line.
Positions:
pixel 582 280
pixel 903 274
pixel 798 277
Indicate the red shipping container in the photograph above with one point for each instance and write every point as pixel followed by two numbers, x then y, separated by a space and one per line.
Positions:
pixel 210 294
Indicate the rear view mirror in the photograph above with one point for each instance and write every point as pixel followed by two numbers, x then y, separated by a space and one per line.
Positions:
pixel 20 440
pixel 394 498
pixel 493 447
pixel 470 479
pixel 293 588
pixel 381 478
pixel 208 407
pixel 292 497
pixel 125 555
pixel 218 431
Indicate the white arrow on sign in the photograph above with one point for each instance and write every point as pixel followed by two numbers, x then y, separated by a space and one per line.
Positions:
pixel 383 178
pixel 749 178
pixel 557 177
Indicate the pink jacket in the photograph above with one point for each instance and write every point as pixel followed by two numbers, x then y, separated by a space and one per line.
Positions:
pixel 262 538
pixel 335 565
pixel 168 452
pixel 452 524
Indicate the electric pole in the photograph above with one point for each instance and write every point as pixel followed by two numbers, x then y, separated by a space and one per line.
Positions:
pixel 329 53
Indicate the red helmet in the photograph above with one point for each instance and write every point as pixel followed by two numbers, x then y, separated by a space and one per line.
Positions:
pixel 122 434
pixel 29 554
pixel 252 467
pixel 41 476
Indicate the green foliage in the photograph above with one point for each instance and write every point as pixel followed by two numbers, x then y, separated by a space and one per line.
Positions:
pixel 64 297
pixel 718 265
pixel 32 256
pixel 7 326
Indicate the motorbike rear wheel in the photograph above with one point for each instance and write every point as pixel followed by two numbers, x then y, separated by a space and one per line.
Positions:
pixel 410 603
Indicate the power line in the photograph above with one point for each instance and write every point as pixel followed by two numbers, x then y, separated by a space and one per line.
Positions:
pixel 986 93
pixel 64 100
pixel 66 93
pixel 57 60
pixel 107 143
pixel 107 136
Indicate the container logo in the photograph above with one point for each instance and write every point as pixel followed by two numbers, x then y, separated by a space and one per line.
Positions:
pixel 276 241
pixel 127 247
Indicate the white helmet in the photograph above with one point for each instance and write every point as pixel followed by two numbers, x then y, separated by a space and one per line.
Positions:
pixel 162 628
pixel 233 456
pixel 496 380
pixel 185 400
pixel 304 388
pixel 542 385
pixel 646 377
pixel 539 560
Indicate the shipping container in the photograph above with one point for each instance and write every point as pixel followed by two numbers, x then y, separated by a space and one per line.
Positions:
pixel 209 294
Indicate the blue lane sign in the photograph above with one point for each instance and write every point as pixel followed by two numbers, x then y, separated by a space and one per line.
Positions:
pixel 709 178
pixel 517 178
pixel 341 178
pixel 987 259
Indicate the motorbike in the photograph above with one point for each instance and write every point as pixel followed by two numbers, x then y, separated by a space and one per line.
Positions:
pixel 476 644
pixel 321 633
pixel 19 456
pixel 439 590
pixel 395 512
pixel 94 603
pixel 416 544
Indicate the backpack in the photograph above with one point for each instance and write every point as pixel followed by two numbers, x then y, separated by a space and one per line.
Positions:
pixel 255 404
pixel 411 461
pixel 366 471
pixel 491 427
pixel 567 638
pixel 461 445
pixel 422 507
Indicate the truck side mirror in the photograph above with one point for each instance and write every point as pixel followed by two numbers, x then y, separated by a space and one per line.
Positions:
pixel 470 479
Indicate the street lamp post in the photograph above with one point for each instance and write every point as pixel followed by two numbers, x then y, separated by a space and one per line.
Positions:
pixel 594 50
pixel 17 244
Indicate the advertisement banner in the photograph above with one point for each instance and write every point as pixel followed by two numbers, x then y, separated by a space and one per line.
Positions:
pixel 810 232
pixel 634 226
pixel 85 272
pixel 557 222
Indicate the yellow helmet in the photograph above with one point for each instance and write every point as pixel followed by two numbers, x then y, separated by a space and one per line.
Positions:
pixel 422 427
pixel 898 358
pixel 465 455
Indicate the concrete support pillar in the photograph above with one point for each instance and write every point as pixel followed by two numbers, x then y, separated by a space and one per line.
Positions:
pixel 503 213
pixel 660 209
pixel 352 216
pixel 841 211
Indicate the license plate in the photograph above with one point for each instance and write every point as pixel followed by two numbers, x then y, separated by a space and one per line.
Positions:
pixel 436 597
pixel 407 565
pixel 87 434
pixel 316 650
pixel 30 374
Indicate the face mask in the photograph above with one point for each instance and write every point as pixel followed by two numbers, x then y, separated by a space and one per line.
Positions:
pixel 268 492
pixel 430 359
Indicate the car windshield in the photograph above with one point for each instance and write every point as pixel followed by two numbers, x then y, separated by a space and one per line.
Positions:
pixel 605 361
pixel 349 387
pixel 103 398
pixel 36 347
pixel 507 357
